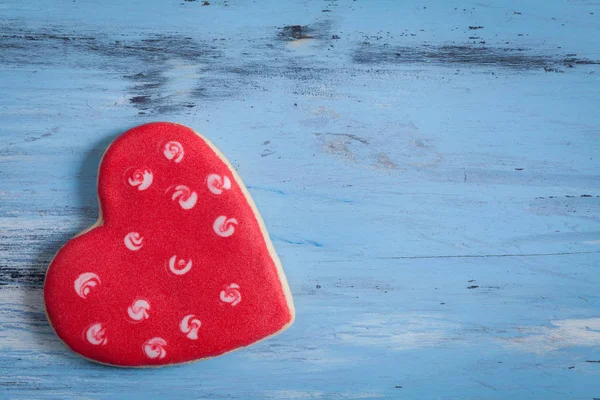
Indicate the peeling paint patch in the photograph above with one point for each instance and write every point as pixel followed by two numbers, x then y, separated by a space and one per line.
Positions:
pixel 383 160
pixel 402 331
pixel 561 334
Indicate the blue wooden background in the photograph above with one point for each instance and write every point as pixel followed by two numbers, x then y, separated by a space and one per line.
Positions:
pixel 429 172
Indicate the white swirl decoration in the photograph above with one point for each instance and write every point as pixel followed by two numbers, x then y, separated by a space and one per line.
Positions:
pixel 140 178
pixel 85 283
pixel 224 227
pixel 96 334
pixel 155 348
pixel 184 196
pixel 133 241
pixel 173 151
pixel 138 310
pixel 231 294
pixel 216 183
pixel 179 266
pixel 190 325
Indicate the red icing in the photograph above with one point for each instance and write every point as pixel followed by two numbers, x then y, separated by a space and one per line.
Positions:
pixel 207 290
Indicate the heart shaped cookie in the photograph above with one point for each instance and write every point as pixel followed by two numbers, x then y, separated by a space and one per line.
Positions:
pixel 179 266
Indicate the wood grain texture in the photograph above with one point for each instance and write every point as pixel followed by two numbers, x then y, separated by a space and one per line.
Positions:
pixel 429 172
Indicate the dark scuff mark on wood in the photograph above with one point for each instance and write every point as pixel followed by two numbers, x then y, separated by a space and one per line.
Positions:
pixel 348 135
pixel 266 152
pixel 170 73
pixel 468 55
pixel 12 271
pixel 38 245
pixel 295 32
pixel 156 47
pixel 318 30
pixel 144 62
pixel 139 100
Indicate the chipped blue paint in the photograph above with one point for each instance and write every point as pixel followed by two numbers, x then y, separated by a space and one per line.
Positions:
pixel 432 187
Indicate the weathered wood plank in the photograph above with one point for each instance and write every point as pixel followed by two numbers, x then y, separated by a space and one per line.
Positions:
pixel 429 173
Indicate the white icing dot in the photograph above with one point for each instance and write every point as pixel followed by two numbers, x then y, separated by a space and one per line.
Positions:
pixel 224 227
pixel 154 348
pixel 216 183
pixel 179 266
pixel 138 310
pixel 173 151
pixel 140 178
pixel 96 334
pixel 190 325
pixel 184 196
pixel 85 283
pixel 133 241
pixel 231 294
